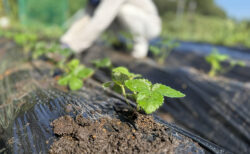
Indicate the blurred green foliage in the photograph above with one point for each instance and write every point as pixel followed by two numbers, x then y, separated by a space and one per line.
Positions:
pixel 40 41
pixel 9 8
pixel 207 29
pixel 103 63
pixel 162 50
pixel 203 7
pixel 43 31
pixel 75 74
pixel 43 11
pixel 201 20
pixel 215 59
pixel 47 11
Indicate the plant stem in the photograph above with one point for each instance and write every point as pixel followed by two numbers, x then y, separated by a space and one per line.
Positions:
pixel 124 94
pixel 138 108
pixel 212 72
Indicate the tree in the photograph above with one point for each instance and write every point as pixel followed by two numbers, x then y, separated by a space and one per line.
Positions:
pixel 204 7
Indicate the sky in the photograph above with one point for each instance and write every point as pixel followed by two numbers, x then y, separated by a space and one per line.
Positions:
pixel 238 9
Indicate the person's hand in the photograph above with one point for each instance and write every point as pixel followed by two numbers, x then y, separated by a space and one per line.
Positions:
pixel 74 43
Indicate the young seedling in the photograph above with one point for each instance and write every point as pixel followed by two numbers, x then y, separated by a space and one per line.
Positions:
pixel 103 63
pixel 74 75
pixel 215 59
pixel 149 97
pixel 46 49
pixel 25 38
pixel 119 76
pixel 39 49
pixel 162 51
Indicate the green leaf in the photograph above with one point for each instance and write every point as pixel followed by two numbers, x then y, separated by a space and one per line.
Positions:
pixel 75 83
pixel 155 50
pixel 85 73
pixel 233 63
pixel 122 70
pixel 117 89
pixel 138 85
pixel 218 56
pixel 125 71
pixel 77 69
pixel 120 75
pixel 215 55
pixel 119 78
pixel 241 63
pixel 64 80
pixel 222 57
pixel 149 101
pixel 73 64
pixel 167 91
pixel 107 84
pixel 102 63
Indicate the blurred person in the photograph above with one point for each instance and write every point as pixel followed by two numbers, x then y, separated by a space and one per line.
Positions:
pixel 139 17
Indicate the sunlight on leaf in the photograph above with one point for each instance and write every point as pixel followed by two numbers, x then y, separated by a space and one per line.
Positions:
pixel 75 83
pixel 138 85
pixel 167 91
pixel 149 101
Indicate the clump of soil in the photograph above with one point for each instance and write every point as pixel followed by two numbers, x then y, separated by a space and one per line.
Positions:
pixel 138 134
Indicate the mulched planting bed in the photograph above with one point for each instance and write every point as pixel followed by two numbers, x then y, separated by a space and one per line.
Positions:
pixel 32 100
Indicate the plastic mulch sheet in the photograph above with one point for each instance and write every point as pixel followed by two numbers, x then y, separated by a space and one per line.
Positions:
pixel 215 108
pixel 30 100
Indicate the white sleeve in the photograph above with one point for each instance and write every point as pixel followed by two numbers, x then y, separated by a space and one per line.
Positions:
pixel 79 38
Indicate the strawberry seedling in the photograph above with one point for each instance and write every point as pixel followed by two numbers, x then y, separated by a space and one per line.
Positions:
pixel 162 51
pixel 119 76
pixel 49 49
pixel 148 96
pixel 103 63
pixel 215 59
pixel 74 75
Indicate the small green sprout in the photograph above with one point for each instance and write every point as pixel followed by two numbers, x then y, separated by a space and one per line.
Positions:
pixel 215 59
pixel 25 38
pixel 162 51
pixel 119 76
pixel 39 50
pixel 75 73
pixel 149 97
pixel 44 49
pixel 103 63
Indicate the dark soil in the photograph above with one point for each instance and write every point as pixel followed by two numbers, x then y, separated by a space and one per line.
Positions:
pixel 138 134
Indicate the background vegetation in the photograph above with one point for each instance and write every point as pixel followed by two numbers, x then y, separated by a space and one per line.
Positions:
pixel 203 7
pixel 211 29
pixel 189 20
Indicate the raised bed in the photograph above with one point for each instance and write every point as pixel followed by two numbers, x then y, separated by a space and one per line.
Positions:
pixel 215 108
pixel 30 100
